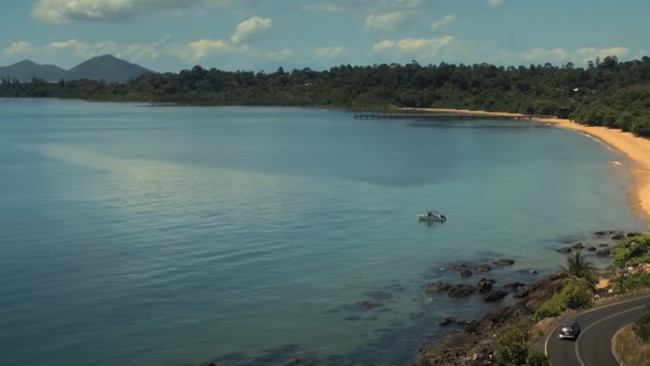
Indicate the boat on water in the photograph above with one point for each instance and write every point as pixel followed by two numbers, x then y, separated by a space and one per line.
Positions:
pixel 432 216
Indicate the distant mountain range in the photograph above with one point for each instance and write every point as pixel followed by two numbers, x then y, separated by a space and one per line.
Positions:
pixel 106 67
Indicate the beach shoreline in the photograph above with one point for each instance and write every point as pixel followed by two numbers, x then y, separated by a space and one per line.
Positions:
pixel 637 150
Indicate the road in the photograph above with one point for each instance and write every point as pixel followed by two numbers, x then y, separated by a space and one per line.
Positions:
pixel 594 344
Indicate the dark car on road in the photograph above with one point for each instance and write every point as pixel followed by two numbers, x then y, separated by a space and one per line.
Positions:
pixel 569 330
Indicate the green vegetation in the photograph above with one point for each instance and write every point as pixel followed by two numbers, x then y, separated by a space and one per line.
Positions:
pixel 632 252
pixel 606 93
pixel 578 266
pixel 512 348
pixel 576 293
pixel 641 327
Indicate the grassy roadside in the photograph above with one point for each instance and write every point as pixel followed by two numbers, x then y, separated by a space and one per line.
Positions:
pixel 628 349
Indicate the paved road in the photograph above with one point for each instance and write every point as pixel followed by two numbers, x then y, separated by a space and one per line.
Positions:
pixel 593 346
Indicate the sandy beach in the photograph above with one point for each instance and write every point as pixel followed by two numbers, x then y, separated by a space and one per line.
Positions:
pixel 635 148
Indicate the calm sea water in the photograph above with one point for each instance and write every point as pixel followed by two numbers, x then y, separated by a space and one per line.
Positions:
pixel 138 235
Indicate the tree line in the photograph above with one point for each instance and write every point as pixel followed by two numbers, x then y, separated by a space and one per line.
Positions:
pixel 604 93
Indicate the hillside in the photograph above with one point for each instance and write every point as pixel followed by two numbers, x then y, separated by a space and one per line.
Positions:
pixel 27 70
pixel 107 67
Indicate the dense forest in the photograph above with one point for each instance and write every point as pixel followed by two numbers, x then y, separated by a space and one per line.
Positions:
pixel 605 93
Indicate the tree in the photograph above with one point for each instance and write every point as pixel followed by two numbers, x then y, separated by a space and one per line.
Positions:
pixel 579 267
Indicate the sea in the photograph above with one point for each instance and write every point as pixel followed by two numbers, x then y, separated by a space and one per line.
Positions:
pixel 135 234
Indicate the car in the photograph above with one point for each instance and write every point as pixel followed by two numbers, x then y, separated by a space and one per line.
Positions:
pixel 570 329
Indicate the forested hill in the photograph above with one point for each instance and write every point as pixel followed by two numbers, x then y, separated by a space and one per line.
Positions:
pixel 608 92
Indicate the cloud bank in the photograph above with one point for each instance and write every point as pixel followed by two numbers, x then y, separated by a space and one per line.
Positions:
pixel 60 11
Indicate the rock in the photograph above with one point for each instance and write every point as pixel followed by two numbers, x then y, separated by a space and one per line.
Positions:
pixel 495 296
pixel 564 250
pixel 459 267
pixel 514 285
pixel 460 291
pixel 504 262
pixel 603 252
pixel 465 272
pixel 520 293
pixel 578 246
pixel 209 363
pixel 532 271
pixel 484 286
pixel 600 233
pixel 592 248
pixel 618 236
pixel 293 361
pixel 632 234
pixel 446 321
pixel 481 268
pixel 602 245
pixel 438 286
pixel 365 304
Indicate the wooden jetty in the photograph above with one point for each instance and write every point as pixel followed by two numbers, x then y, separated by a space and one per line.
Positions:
pixel 442 116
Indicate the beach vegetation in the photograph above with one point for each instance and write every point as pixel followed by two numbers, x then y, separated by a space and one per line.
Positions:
pixel 580 267
pixel 631 252
pixel 512 347
pixel 606 93
pixel 576 293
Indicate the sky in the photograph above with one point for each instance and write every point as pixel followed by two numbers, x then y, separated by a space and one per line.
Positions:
pixel 263 35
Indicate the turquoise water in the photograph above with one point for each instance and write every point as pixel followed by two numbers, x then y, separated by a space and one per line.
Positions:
pixel 138 235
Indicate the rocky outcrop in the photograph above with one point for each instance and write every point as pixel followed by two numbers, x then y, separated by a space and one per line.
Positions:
pixel 503 262
pixel 484 286
pixel 475 345
pixel 438 286
pixel 461 290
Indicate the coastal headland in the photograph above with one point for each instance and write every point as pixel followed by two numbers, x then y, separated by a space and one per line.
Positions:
pixel 637 149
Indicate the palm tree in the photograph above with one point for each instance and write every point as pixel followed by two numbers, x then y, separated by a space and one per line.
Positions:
pixel 577 265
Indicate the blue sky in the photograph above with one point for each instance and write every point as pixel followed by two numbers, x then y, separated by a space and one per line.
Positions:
pixel 262 35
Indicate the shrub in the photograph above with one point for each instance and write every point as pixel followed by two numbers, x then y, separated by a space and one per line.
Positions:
pixel 637 280
pixel 512 349
pixel 551 307
pixel 576 293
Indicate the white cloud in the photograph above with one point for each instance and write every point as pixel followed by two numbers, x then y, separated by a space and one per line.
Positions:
pixel 329 52
pixel 389 21
pixel 249 27
pixel 383 45
pixel 495 3
pixel 414 48
pixel 193 51
pixel 18 48
pixel 281 55
pixel 545 54
pixel 447 19
pixel 72 44
pixel 58 11
pixel 562 55
pixel 590 53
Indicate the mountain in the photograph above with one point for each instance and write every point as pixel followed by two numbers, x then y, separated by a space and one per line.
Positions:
pixel 27 70
pixel 106 67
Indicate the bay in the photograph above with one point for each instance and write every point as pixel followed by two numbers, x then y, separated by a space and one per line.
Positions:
pixel 141 235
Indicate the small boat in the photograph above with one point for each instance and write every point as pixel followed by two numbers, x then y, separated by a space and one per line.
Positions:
pixel 432 216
